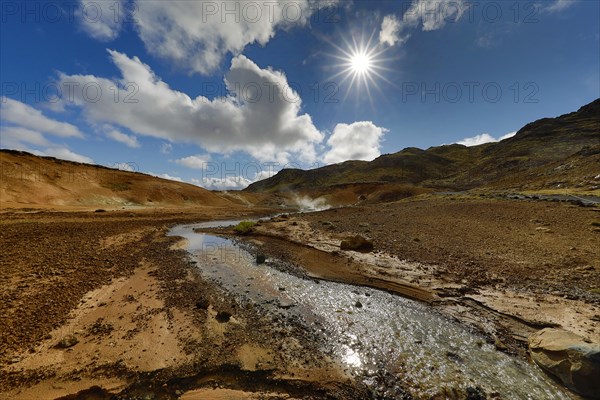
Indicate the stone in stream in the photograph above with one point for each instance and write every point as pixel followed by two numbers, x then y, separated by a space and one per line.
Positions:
pixel 260 259
pixel 568 357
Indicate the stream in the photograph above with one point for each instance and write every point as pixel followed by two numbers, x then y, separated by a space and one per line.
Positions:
pixel 371 332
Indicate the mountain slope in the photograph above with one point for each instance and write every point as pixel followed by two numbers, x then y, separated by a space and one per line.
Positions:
pixel 31 181
pixel 545 142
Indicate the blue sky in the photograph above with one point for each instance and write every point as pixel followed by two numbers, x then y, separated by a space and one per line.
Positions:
pixel 212 92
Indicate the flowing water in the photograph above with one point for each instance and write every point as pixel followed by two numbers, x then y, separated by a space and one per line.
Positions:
pixel 371 331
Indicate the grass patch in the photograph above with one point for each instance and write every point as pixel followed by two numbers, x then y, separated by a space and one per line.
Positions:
pixel 244 227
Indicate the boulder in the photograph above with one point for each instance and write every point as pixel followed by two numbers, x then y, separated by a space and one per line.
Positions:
pixel 260 259
pixel 357 243
pixel 568 357
pixel 67 341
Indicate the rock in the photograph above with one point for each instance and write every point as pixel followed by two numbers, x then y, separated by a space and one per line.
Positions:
pixel 454 357
pixel 285 304
pixel 67 341
pixel 475 393
pixel 260 259
pixel 202 304
pixel 357 243
pixel 568 357
pixel 358 304
pixel 223 316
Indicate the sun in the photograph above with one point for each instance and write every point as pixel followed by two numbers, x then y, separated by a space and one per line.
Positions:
pixel 361 64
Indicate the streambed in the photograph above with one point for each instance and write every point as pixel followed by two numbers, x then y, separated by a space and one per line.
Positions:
pixel 388 342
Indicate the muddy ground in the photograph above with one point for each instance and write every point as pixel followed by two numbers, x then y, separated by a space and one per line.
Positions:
pixel 107 301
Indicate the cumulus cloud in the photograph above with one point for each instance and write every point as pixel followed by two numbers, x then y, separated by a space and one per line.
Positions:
pixel 28 117
pixel 27 129
pixel 118 136
pixel 102 19
pixel 197 34
pixel 357 141
pixel 559 5
pixel 167 176
pixel 15 137
pixel 195 162
pixel 225 183
pixel 430 15
pixel 65 154
pixel 390 31
pixel 261 115
pixel 124 166
pixel 483 138
pixel 166 148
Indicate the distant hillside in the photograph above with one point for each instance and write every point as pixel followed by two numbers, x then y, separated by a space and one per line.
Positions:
pixel 31 181
pixel 532 159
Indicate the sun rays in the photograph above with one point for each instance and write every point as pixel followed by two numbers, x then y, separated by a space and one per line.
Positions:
pixel 361 65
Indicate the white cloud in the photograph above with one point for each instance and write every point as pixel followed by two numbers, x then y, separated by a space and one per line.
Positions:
pixel 507 136
pixel 122 166
pixel 128 140
pixel 166 148
pixel 559 5
pixel 357 141
pixel 226 183
pixel 231 182
pixel 102 19
pixel 269 126
pixel 195 162
pixel 198 34
pixel 26 116
pixel 483 138
pixel 167 176
pixel 15 137
pixel 430 15
pixel 65 154
pixel 477 140
pixel 390 31
pixel 30 127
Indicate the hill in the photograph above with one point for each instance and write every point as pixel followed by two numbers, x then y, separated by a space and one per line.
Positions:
pixel 551 153
pixel 39 182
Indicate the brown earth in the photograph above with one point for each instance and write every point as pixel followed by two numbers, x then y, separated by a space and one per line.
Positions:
pixel 506 267
pixel 144 321
pixel 45 182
